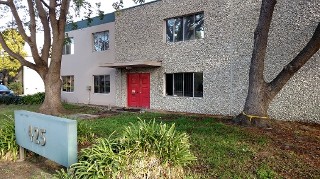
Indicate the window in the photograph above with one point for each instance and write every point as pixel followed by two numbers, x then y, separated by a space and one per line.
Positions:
pixel 100 41
pixel 185 28
pixel 184 84
pixel 68 47
pixel 68 83
pixel 102 84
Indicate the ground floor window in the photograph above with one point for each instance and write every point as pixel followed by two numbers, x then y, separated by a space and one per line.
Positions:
pixel 101 83
pixel 184 84
pixel 68 83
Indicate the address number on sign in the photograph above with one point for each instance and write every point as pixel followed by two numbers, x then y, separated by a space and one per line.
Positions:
pixel 37 135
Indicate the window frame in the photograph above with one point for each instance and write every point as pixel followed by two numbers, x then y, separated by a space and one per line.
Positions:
pixel 173 91
pixel 184 19
pixel 68 43
pixel 106 35
pixel 70 79
pixel 105 91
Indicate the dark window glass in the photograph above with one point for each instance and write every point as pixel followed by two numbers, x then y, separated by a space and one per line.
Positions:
pixel 169 84
pixel 101 41
pixel 184 84
pixel 96 84
pixel 178 31
pixel 198 85
pixel 178 84
pixel 68 83
pixel 199 26
pixel 68 47
pixel 189 28
pixel 185 28
pixel 102 84
pixel 170 27
pixel 188 84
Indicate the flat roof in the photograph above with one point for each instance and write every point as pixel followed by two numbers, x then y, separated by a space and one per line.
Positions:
pixel 133 64
pixel 107 18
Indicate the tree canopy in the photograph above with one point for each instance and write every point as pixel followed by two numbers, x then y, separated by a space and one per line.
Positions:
pixel 49 17
pixel 9 65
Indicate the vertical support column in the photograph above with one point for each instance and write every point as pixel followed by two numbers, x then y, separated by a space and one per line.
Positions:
pixel 21 154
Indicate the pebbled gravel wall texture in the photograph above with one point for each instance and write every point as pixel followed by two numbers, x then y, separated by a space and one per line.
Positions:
pixel 223 55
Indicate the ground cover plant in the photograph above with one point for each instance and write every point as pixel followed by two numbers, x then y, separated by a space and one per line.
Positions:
pixel 144 150
pixel 223 150
pixel 8 146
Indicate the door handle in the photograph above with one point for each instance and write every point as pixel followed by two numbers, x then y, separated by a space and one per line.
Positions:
pixel 133 91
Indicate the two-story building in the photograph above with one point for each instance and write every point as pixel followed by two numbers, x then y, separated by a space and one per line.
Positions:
pixel 194 56
pixel 91 44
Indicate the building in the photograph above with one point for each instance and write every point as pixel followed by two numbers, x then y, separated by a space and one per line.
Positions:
pixel 32 82
pixel 194 56
pixel 84 81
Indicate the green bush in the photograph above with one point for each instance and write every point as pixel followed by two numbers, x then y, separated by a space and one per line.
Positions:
pixel 144 150
pixel 8 146
pixel 37 98
pixel 16 87
pixel 10 100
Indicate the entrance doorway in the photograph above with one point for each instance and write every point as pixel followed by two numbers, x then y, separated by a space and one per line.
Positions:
pixel 138 90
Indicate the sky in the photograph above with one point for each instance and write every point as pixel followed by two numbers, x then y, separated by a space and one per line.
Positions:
pixel 106 5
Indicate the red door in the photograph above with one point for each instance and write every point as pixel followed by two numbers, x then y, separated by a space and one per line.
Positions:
pixel 139 90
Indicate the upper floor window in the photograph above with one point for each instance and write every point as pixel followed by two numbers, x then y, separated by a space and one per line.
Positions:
pixel 185 28
pixel 102 84
pixel 100 41
pixel 68 83
pixel 184 84
pixel 68 47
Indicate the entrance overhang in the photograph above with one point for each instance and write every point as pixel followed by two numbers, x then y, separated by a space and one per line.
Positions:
pixel 133 64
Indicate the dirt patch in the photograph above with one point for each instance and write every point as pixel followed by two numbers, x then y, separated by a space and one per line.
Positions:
pixel 300 138
pixel 33 167
pixel 294 149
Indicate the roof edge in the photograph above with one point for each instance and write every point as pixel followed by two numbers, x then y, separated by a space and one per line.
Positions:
pixel 107 18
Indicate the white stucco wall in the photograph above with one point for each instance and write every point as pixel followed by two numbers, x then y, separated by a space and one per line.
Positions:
pixel 84 63
pixel 32 82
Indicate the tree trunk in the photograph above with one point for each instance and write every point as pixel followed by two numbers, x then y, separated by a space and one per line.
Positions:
pixel 260 93
pixel 5 77
pixel 52 103
pixel 257 102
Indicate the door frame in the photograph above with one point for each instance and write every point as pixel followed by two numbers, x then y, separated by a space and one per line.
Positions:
pixel 129 91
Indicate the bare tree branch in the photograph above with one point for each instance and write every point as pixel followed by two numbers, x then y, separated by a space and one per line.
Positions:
pixel 47 32
pixel 290 69
pixel 4 2
pixel 16 16
pixel 33 32
pixel 63 14
pixel 45 4
pixel 53 16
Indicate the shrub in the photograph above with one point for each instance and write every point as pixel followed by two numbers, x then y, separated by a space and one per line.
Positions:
pixel 144 150
pixel 8 146
pixel 10 100
pixel 16 87
pixel 37 98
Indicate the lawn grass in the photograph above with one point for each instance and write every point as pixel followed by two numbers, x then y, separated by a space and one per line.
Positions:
pixel 222 150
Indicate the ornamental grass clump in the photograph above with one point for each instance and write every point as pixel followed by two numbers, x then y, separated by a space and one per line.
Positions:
pixel 8 146
pixel 144 150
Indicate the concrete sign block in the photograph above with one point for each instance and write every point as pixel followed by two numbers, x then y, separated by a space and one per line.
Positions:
pixel 52 137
